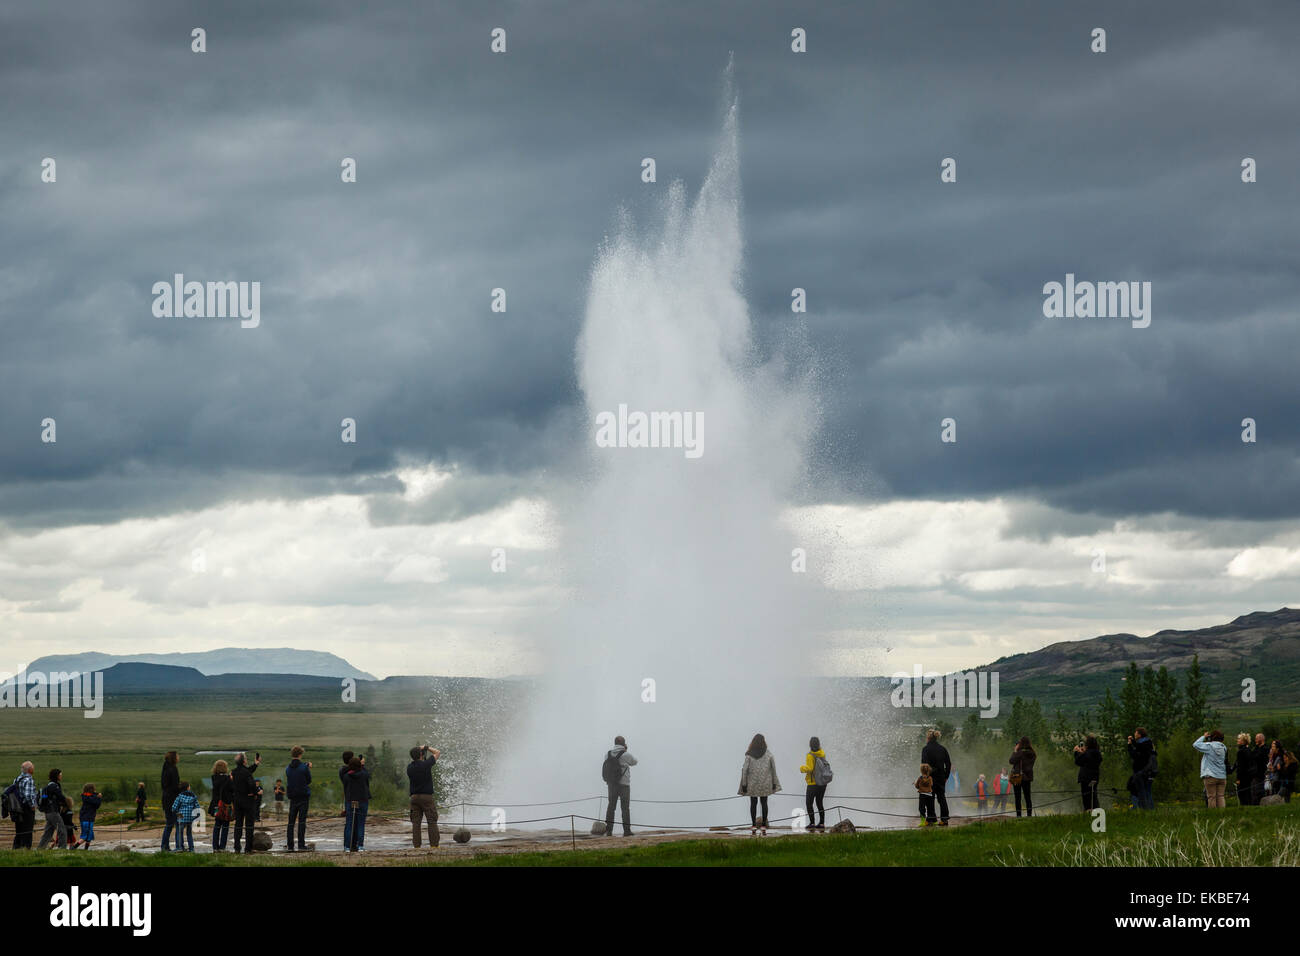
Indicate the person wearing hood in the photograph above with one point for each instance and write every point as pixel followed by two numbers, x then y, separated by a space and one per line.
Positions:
pixel 617 773
pixel 1214 771
pixel 816 772
pixel 981 795
pixel 758 780
pixel 936 755
pixel 298 790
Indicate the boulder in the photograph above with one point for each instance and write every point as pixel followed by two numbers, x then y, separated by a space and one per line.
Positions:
pixel 461 835
pixel 844 826
pixel 598 828
pixel 1272 800
pixel 261 840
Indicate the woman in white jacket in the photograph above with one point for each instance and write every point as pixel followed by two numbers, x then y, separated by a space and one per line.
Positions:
pixel 1214 770
pixel 758 780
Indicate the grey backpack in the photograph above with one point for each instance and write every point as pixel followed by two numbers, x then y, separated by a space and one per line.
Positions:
pixel 822 771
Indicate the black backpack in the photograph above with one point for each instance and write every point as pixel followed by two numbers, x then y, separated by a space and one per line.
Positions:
pixel 11 805
pixel 1153 764
pixel 611 771
pixel 44 803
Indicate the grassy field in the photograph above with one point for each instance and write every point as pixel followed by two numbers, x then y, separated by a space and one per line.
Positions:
pixel 1176 836
pixel 128 745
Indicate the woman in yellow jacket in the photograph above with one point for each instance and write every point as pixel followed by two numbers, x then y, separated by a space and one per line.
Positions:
pixel 816 766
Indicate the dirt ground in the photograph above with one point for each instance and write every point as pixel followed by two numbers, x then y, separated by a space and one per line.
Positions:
pixel 388 837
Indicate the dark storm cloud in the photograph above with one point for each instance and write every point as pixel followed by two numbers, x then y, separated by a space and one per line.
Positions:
pixel 478 171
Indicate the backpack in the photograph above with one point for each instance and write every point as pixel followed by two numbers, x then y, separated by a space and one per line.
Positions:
pixel 44 802
pixel 611 771
pixel 11 805
pixel 222 814
pixel 822 771
pixel 1153 764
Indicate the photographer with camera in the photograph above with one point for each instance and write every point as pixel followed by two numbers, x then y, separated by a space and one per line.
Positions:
pixel 424 804
pixel 1087 756
pixel 1214 770
pixel 1142 753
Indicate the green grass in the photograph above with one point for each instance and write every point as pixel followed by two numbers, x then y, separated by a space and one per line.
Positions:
pixel 1241 836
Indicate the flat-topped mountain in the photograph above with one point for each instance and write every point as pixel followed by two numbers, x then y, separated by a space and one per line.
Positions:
pixel 225 660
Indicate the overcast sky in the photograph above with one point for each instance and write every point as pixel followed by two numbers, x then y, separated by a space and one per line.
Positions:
pixel 477 171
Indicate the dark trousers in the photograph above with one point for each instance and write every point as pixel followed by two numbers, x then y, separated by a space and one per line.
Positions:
pixel 1089 791
pixel 24 824
pixel 942 798
pixel 753 811
pixel 170 825
pixel 1244 793
pixel 1018 790
pixel 816 794
pixel 139 813
pixel 620 793
pixel 925 801
pixel 356 825
pixel 424 807
pixel 297 811
pixel 185 835
pixel 220 833
pixel 244 817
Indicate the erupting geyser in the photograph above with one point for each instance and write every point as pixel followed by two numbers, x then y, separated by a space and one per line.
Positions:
pixel 687 630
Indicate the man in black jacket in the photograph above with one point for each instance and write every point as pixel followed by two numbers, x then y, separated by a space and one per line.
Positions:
pixel 171 789
pixel 248 796
pixel 1140 749
pixel 298 789
pixel 423 805
pixel 1087 756
pixel 936 755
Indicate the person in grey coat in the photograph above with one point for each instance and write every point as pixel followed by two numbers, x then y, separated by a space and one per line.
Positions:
pixel 758 780
pixel 620 789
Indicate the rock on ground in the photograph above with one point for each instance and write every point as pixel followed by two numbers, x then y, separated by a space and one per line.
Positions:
pixel 461 836
pixel 844 826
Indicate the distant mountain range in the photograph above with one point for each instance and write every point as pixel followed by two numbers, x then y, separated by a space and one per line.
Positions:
pixel 1263 645
pixel 1072 675
pixel 226 660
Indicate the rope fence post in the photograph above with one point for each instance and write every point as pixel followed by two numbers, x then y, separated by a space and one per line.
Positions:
pixel 573 833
